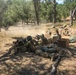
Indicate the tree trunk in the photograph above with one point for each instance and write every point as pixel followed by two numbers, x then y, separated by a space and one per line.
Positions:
pixel 54 12
pixel 75 16
pixel 7 27
pixel 74 13
pixel 1 17
pixel 36 10
pixel 27 21
pixel 56 63
pixel 0 29
pixel 22 22
pixel 71 18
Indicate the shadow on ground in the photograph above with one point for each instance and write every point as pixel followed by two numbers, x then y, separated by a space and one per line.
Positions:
pixel 29 64
pixel 24 64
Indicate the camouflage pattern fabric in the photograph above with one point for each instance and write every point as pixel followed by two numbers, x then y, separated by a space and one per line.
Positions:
pixel 72 39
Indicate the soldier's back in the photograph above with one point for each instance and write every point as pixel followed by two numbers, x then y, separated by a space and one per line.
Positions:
pixel 54 31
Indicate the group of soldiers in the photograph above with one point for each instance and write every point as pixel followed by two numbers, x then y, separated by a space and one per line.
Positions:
pixel 38 44
pixel 41 46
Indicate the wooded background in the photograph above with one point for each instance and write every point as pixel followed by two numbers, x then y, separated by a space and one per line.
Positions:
pixel 35 11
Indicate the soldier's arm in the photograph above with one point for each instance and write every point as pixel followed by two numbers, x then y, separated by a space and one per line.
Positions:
pixel 49 32
pixel 57 31
pixel 28 44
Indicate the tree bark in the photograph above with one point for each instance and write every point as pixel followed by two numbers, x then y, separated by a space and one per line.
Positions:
pixel 36 4
pixel 56 63
pixel 71 18
pixel 27 21
pixel 1 17
pixel 54 12
pixel 0 29
pixel 74 13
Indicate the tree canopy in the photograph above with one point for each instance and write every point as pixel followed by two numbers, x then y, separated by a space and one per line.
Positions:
pixel 13 11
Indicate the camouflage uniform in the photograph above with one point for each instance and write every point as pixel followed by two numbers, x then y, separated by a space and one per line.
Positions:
pixel 55 36
pixel 30 47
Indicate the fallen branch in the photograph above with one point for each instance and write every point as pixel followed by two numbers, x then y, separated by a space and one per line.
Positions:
pixel 56 63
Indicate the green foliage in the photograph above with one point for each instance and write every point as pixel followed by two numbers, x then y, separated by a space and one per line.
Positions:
pixel 24 10
pixel 18 10
pixel 70 4
pixel 10 17
pixel 62 11
pixel 46 11
pixel 2 9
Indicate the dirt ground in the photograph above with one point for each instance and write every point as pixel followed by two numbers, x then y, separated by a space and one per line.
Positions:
pixel 29 63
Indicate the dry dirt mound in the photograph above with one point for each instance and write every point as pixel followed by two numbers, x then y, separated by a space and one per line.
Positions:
pixel 5 42
pixel 2 35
